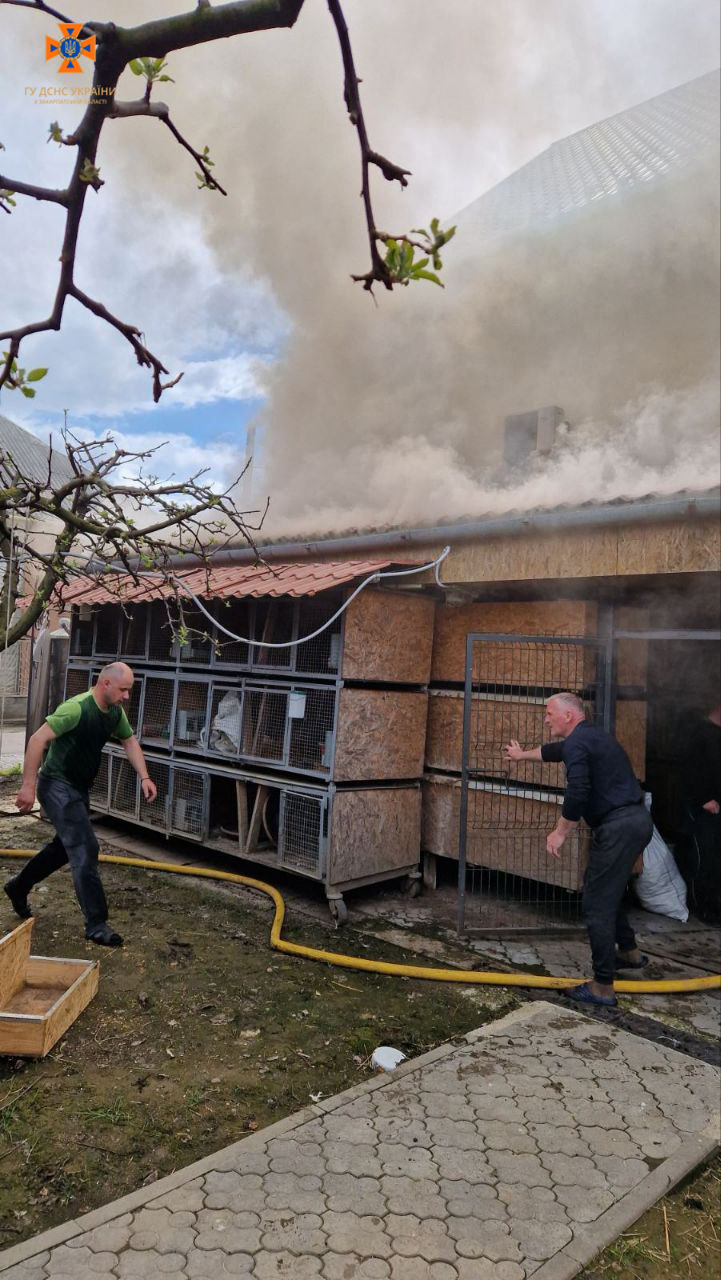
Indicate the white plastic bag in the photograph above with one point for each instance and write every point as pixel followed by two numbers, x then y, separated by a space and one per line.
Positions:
pixel 660 886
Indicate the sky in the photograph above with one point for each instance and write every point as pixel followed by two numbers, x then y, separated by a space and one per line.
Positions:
pixel 250 294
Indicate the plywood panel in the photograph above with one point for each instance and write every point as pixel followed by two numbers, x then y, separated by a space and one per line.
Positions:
pixel 374 831
pixel 494 722
pixel 14 952
pixel 631 733
pixel 691 545
pixel 516 849
pixel 551 666
pixel 381 734
pixel 388 638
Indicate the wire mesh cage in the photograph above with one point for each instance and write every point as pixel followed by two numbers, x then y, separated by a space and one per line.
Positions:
pixel 134 631
pixel 157 716
pixel 226 720
pixel 99 791
pixel 265 717
pixel 157 813
pixel 132 710
pixel 195 635
pixel 161 632
pixel 321 655
pixel 106 641
pixel 191 715
pixel 302 836
pixel 236 616
pixel 509 808
pixel 188 809
pixel 312 715
pixel 123 796
pixel 77 680
pixel 274 623
pixel 81 631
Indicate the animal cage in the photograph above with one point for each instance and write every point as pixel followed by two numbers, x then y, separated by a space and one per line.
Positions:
pixel 341 837
pixel 368 642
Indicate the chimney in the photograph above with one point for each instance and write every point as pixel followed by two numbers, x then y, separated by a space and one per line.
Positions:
pixel 526 434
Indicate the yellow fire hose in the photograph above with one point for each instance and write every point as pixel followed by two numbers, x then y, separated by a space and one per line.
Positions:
pixel 468 977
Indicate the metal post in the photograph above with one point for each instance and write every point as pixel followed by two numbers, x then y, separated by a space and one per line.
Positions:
pixel 606 616
pixel 463 824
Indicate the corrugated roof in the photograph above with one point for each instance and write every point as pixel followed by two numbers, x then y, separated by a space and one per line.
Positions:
pixel 30 454
pixel 646 143
pixel 304 579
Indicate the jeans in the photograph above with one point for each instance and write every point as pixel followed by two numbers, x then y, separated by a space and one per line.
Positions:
pixel 75 842
pixel 615 846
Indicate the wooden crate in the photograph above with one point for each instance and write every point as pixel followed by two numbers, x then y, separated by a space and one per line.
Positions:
pixel 509 834
pixel 494 721
pixel 374 832
pixel 40 996
pixel 381 734
pixel 388 638
pixel 553 666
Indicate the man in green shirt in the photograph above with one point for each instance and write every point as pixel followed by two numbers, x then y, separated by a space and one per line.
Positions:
pixel 75 734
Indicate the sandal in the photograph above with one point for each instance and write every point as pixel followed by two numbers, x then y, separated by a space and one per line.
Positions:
pixel 584 995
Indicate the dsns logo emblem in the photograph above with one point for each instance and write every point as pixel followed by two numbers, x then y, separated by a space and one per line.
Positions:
pixel 71 48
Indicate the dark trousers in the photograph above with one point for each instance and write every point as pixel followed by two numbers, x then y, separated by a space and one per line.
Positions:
pixel 701 863
pixel 75 843
pixel 615 846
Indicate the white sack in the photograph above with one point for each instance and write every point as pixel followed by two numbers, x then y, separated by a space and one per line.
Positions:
pixel 661 887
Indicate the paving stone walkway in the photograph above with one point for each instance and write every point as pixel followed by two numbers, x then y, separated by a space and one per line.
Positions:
pixel 520 1151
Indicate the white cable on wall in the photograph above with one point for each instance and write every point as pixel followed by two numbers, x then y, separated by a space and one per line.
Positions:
pixel 290 644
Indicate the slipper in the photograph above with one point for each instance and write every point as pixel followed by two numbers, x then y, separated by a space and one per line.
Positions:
pixel 584 995
pixel 628 964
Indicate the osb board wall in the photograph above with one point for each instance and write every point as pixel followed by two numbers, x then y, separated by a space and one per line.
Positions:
pixel 494 722
pixel 557 666
pixel 388 638
pixel 374 831
pixel 380 734
pixel 517 850
pixel 631 733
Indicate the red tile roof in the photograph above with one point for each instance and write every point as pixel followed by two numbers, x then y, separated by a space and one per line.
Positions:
pixel 297 579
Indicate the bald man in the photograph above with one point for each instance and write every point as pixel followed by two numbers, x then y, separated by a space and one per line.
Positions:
pixel 75 734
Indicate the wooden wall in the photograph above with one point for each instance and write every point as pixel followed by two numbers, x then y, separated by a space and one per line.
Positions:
pixel 373 832
pixel 388 638
pixel 381 733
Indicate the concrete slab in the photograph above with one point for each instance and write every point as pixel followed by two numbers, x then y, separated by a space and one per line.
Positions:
pixel 523 1150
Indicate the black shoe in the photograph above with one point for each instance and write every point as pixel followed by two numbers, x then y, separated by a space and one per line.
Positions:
pixel 105 936
pixel 18 899
pixel 623 966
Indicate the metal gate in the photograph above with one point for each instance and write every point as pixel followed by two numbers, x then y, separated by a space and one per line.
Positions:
pixel 506 880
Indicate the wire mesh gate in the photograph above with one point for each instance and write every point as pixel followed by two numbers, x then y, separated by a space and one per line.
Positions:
pixel 506 880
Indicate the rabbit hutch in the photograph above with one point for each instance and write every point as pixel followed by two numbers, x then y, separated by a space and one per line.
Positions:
pixel 281 731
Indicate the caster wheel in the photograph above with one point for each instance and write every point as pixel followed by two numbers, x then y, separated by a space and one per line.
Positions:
pixel 338 910
pixel 412 887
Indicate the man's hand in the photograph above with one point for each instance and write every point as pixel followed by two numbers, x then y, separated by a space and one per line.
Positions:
pixel 514 751
pixel 712 806
pixel 25 798
pixel 554 843
pixel 149 789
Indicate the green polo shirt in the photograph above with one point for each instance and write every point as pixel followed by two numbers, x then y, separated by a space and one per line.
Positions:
pixel 82 730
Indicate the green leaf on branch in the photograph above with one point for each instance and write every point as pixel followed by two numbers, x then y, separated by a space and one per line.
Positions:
pixel 152 68
pixel 36 374
pixel 27 391
pixel 55 133
pixel 90 174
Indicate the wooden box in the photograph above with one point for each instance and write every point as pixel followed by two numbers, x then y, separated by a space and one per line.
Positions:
pixel 40 996
pixel 494 721
pixel 506 832
pixel 381 734
pixel 534 665
pixel 388 637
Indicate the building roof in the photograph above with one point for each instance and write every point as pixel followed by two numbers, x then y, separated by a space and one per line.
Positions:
pixel 30 455
pixel 302 579
pixel 644 144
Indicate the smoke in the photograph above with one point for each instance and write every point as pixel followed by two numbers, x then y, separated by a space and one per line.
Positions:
pixel 388 415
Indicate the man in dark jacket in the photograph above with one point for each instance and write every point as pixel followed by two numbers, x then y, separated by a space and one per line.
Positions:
pixel 701 770
pixel 75 734
pixel 602 789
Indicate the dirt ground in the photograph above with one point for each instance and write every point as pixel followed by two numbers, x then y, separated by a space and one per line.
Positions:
pixel 200 1034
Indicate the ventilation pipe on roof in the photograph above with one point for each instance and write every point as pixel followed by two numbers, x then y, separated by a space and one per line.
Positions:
pixel 526 434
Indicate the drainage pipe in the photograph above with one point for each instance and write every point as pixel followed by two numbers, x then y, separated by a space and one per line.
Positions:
pixel 613 514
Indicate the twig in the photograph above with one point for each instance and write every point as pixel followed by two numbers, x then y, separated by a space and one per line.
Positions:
pixel 666 1233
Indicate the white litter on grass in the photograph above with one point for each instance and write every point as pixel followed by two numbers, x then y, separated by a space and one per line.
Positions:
pixel 386 1059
